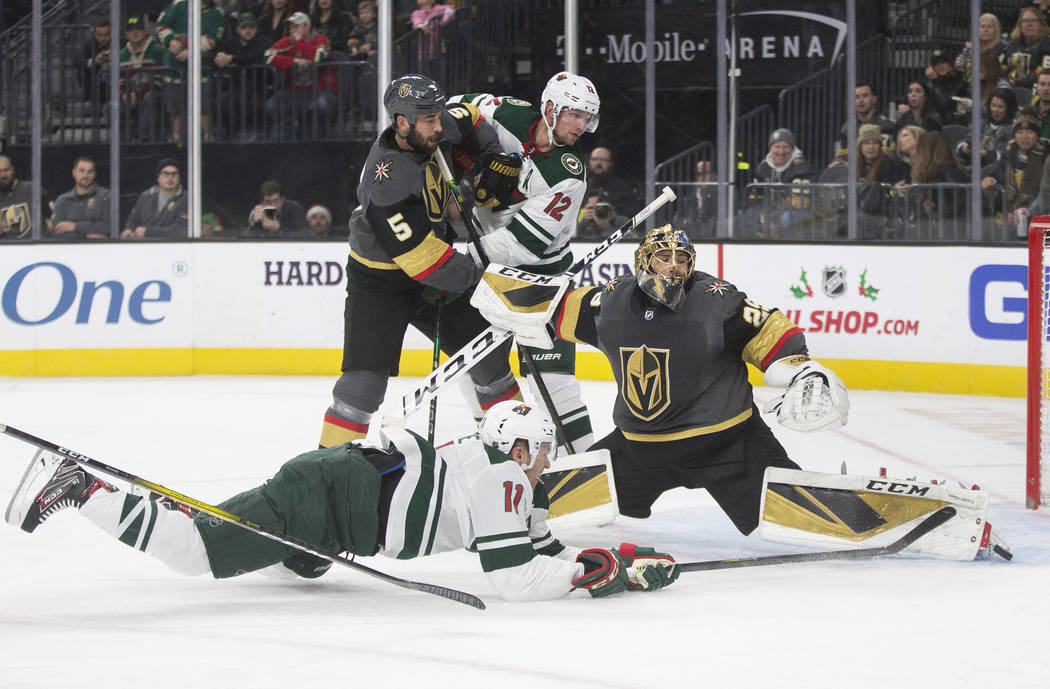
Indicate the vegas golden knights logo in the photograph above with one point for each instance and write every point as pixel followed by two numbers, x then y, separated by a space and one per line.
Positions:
pixel 645 385
pixel 436 194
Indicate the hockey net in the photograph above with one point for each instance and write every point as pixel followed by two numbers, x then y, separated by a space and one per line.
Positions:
pixel 1037 483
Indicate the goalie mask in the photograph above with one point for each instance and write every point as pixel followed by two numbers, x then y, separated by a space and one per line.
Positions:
pixel 507 422
pixel 663 265
pixel 568 90
pixel 413 95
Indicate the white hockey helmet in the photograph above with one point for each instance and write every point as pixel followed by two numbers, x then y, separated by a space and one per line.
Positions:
pixel 507 422
pixel 568 90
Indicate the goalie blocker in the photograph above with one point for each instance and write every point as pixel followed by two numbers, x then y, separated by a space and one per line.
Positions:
pixel 831 511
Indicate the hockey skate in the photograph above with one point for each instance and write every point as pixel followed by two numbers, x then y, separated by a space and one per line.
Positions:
pixel 50 484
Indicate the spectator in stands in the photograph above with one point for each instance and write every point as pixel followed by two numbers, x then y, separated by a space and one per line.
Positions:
pixel 162 210
pixel 1020 171
pixel 243 93
pixel 253 7
pixel 309 89
pixel 935 165
pixel 273 22
pixel 1029 50
pixel 276 215
pixel 16 200
pixel 140 89
pixel 1041 103
pixel 877 173
pixel 996 128
pixel 695 212
pixel 865 100
pixel 781 208
pixel 329 20
pixel 904 156
pixel 362 41
pixel 82 212
pixel 94 53
pixel 991 35
pixel 172 31
pixel 429 17
pixel 919 108
pixel 599 219
pixel 319 220
pixel 362 45
pixel 600 178
pixel 944 87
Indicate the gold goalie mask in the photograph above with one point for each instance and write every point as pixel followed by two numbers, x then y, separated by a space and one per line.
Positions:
pixel 664 264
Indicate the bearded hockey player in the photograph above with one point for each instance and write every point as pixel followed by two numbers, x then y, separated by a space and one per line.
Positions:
pixel 677 340
pixel 407 501
pixel 533 228
pixel 401 260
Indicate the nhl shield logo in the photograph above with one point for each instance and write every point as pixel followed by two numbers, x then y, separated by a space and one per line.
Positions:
pixel 834 281
pixel 645 384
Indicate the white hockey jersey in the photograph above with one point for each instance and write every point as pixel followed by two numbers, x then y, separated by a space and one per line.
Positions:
pixel 465 494
pixel 534 232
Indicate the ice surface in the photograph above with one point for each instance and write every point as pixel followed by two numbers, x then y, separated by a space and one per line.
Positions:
pixel 78 609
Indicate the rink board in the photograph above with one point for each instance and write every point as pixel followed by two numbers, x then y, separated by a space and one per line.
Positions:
pixel 943 319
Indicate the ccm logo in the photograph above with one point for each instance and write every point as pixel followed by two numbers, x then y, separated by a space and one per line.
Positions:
pixel 899 488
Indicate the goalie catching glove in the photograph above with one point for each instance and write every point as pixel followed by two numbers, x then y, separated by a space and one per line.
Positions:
pixel 815 398
pixel 498 181
pixel 629 567
pixel 520 301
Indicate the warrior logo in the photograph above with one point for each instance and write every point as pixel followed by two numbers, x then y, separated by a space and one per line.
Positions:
pixel 572 163
pixel 645 384
pixel 834 281
pixel 648 315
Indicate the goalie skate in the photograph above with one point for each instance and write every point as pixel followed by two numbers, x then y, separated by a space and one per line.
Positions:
pixel 50 484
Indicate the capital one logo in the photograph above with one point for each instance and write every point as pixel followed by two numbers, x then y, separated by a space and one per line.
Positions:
pixel 999 302
pixel 50 290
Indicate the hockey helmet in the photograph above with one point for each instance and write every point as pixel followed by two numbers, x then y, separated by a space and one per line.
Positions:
pixel 669 290
pixel 412 95
pixel 507 422
pixel 568 90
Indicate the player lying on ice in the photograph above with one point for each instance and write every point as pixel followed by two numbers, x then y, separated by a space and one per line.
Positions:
pixel 677 340
pixel 483 493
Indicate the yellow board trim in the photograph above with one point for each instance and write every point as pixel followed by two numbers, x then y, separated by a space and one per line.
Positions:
pixel 906 376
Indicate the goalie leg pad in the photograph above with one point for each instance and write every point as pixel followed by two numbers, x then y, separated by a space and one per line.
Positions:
pixel 831 511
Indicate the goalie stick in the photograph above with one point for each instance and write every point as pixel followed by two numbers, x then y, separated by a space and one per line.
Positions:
pixel 924 527
pixel 219 513
pixel 526 355
pixel 475 350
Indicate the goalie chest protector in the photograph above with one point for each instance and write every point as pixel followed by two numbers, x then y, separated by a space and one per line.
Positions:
pixel 677 373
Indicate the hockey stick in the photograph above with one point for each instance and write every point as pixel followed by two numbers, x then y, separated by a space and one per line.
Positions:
pixel 492 337
pixel 526 355
pixel 219 513
pixel 432 422
pixel 924 527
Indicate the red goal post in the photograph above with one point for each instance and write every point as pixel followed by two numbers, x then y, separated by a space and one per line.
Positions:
pixel 1037 479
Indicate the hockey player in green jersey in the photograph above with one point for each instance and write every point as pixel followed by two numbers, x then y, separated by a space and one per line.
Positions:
pixel 407 501
pixel 532 230
pixel 677 340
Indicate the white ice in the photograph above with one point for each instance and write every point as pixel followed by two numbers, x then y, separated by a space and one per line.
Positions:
pixel 78 609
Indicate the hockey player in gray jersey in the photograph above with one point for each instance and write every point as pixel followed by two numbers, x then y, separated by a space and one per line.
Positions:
pixel 401 259
pixel 677 341
pixel 533 229
pixel 410 500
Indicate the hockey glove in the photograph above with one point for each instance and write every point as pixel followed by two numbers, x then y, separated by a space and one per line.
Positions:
pixel 436 295
pixel 604 573
pixel 648 570
pixel 815 398
pixel 498 181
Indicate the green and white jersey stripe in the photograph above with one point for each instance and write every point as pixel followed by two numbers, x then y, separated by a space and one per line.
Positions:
pixel 466 495
pixel 534 233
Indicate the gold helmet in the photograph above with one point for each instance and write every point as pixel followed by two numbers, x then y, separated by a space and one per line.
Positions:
pixel 669 290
